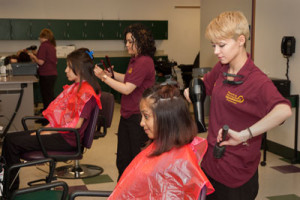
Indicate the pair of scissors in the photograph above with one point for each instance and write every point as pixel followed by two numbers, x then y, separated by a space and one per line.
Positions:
pixel 109 69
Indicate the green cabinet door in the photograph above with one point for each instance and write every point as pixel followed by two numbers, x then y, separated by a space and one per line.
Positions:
pixel 159 30
pixel 20 29
pixel 123 25
pixel 93 30
pixel 59 28
pixel 75 30
pixel 110 29
pixel 4 29
pixel 36 27
pixel 29 29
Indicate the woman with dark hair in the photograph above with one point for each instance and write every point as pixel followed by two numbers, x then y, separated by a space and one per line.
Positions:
pixel 47 71
pixel 169 167
pixel 71 109
pixel 139 76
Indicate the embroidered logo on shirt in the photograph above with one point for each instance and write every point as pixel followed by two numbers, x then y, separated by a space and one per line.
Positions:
pixel 233 98
pixel 130 70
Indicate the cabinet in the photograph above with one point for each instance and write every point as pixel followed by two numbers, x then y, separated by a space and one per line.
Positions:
pixel 75 30
pixel 93 30
pixel 5 29
pixel 35 28
pixel 124 24
pixel 159 29
pixel 110 30
pixel 29 29
pixel 20 29
pixel 10 93
pixel 59 28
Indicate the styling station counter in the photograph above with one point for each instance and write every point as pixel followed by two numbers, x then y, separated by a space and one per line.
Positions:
pixel 16 101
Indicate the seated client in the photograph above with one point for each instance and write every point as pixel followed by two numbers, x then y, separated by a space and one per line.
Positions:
pixel 71 109
pixel 168 168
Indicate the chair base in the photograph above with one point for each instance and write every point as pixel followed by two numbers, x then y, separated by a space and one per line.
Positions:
pixel 78 172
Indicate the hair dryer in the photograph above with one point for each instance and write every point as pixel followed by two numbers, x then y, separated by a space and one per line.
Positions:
pixel 197 95
pixel 32 47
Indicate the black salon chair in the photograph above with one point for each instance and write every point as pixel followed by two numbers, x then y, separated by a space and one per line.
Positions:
pixel 35 192
pixel 104 120
pixel 70 171
pixel 105 115
pixel 94 193
pixel 56 190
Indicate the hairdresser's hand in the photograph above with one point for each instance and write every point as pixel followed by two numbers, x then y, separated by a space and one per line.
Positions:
pixel 30 54
pixel 233 137
pixel 99 72
pixel 33 57
pixel 187 94
pixel 109 73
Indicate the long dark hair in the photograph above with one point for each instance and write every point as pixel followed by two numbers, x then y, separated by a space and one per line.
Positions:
pixel 143 39
pixel 82 64
pixel 173 124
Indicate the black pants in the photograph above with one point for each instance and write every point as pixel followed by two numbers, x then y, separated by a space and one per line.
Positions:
pixel 131 138
pixel 248 191
pixel 47 84
pixel 19 142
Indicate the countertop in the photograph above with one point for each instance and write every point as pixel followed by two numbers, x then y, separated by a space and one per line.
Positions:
pixel 18 79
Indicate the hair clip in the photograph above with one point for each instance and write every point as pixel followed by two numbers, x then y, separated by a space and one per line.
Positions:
pixel 90 53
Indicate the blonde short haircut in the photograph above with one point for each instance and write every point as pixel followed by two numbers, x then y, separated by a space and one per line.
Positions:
pixel 228 25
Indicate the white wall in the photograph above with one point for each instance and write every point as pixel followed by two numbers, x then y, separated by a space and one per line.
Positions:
pixel 275 19
pixel 184 24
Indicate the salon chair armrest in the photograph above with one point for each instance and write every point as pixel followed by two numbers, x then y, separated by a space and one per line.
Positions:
pixel 26 118
pixel 77 152
pixel 90 193
pixel 21 165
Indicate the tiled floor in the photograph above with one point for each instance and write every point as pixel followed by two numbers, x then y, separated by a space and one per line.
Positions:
pixel 278 180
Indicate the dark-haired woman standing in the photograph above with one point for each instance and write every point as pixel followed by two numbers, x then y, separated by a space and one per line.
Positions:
pixel 139 76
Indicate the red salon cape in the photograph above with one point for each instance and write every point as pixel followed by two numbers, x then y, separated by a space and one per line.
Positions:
pixel 172 175
pixel 65 110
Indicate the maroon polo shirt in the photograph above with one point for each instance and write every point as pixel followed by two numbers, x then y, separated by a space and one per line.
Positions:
pixel 47 53
pixel 141 73
pixel 238 106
